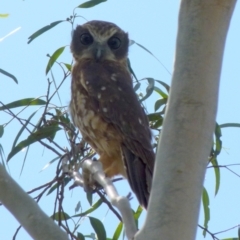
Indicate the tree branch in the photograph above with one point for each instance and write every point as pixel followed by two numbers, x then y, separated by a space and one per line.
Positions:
pixel 26 210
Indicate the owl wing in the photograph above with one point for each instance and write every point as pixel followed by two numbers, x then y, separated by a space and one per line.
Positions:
pixel 111 89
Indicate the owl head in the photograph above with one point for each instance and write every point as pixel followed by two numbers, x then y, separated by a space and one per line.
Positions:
pixel 99 41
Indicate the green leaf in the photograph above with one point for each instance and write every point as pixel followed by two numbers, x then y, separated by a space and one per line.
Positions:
pixel 149 89
pixel 44 132
pixel 91 3
pixel 68 66
pixel 66 180
pixel 137 86
pixel 48 164
pixel 154 117
pixel 166 86
pixel 42 30
pixel 2 154
pixel 60 216
pixel 118 231
pixel 217 174
pixel 93 208
pixel 130 69
pixel 160 92
pixel 141 46
pixel 78 207
pixel 22 129
pixel 98 228
pixel 229 125
pixel 218 135
pixel 53 58
pixel 80 236
pixel 157 124
pixel 230 239
pixel 205 200
pixel 159 103
pixel 1 130
pixel 138 213
pixel 8 75
pixel 4 15
pixel 89 197
pixel 23 102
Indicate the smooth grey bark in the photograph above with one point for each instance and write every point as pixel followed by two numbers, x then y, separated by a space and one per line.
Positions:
pixel 27 211
pixel 188 127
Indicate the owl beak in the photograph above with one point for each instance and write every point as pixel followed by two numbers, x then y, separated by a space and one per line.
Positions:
pixel 99 52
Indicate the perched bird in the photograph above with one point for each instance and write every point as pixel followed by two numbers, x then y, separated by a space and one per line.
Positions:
pixel 105 107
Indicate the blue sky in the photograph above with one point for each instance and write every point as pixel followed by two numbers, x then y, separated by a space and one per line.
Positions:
pixel 152 24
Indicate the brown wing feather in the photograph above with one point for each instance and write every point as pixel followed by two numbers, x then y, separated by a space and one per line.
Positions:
pixel 110 85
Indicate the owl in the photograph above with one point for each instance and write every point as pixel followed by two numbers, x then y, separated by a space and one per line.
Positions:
pixel 105 107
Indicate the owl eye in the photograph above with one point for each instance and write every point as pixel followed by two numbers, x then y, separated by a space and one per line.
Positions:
pixel 114 43
pixel 86 39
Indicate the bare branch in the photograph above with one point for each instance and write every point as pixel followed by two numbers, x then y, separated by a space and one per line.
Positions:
pixel 26 210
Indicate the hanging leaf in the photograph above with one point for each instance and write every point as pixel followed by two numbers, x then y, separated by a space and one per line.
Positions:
pixel 218 141
pixel 53 58
pixel 23 102
pixel 229 125
pixel 149 88
pixel 159 103
pixel 4 15
pixel 80 236
pixel 141 46
pixel 131 70
pixel 60 216
pixel 160 92
pixel 93 208
pixel 217 174
pixel 42 30
pixel 48 164
pixel 1 130
pixel 137 86
pixel 205 201
pixel 2 155
pixel 42 133
pixel 98 228
pixel 154 116
pixel 68 66
pixel 66 180
pixel 22 129
pixel 166 86
pixel 8 75
pixel 118 231
pixel 91 3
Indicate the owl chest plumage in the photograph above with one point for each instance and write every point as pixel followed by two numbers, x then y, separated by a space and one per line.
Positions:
pixel 85 111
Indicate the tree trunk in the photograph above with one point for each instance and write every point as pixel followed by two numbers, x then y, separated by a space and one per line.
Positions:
pixel 188 127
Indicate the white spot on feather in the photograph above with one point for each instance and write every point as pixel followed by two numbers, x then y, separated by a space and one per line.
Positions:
pixel 88 117
pixel 140 121
pixel 105 109
pixel 99 95
pixel 95 122
pixel 120 89
pixel 103 88
pixel 113 77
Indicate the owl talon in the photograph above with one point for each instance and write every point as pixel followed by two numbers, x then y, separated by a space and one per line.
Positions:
pixel 89 184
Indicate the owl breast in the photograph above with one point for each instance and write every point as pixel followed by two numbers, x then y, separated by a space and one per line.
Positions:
pixel 101 135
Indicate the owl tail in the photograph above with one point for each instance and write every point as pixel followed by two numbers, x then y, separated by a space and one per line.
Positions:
pixel 139 175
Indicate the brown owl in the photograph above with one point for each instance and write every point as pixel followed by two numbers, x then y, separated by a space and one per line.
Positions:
pixel 105 107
